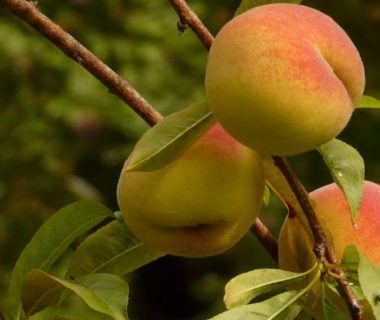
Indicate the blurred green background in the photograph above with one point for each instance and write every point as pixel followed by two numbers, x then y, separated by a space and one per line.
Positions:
pixel 64 137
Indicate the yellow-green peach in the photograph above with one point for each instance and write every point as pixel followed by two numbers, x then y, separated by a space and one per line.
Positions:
pixel 200 204
pixel 283 78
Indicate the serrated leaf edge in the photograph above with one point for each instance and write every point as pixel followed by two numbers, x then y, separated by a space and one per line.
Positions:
pixel 295 277
pixel 295 298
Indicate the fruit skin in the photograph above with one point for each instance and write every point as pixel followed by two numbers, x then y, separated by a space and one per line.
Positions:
pixel 332 209
pixel 199 205
pixel 283 78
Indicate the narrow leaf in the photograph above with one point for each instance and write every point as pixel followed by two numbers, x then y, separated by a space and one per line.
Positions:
pixel 249 4
pixel 264 310
pixel 369 102
pixel 266 197
pixel 369 278
pixel 247 286
pixel 104 293
pixel 111 249
pixel 72 308
pixel 350 264
pixel 351 257
pixel 330 310
pixel 347 169
pixel 170 138
pixel 276 181
pixel 303 316
pixel 50 242
pixel 288 308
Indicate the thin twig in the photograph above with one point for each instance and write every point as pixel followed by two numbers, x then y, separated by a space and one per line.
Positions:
pixel 320 239
pixel 189 18
pixel 266 238
pixel 322 246
pixel 28 12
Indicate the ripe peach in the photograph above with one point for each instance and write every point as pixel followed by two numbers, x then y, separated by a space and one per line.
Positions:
pixel 330 204
pixel 283 78
pixel 333 210
pixel 200 204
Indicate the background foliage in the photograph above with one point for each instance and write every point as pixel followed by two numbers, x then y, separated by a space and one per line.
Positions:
pixel 64 137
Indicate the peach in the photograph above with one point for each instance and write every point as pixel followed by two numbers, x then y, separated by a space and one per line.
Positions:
pixel 331 207
pixel 333 210
pixel 283 78
pixel 200 204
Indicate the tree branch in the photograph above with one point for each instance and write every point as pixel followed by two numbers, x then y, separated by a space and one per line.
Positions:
pixel 188 18
pixel 322 247
pixel 266 238
pixel 28 12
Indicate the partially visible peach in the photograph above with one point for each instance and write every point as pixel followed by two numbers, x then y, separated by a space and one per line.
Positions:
pixel 200 204
pixel 283 78
pixel 332 209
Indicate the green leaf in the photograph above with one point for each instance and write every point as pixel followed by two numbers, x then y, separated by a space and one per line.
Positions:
pixel 330 310
pixel 266 310
pixel 38 291
pixel 369 102
pixel 72 308
pixel 111 249
pixel 170 138
pixel 347 169
pixel 102 292
pixel 369 278
pixel 249 4
pixel 50 242
pixel 351 257
pixel 350 264
pixel 303 316
pixel 247 286
pixel 266 197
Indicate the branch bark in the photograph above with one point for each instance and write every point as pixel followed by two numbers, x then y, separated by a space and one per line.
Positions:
pixel 28 12
pixel 266 238
pixel 188 18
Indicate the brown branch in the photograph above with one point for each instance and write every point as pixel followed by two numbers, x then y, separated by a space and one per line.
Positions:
pixel 189 18
pixel 322 246
pixel 27 12
pixel 266 238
